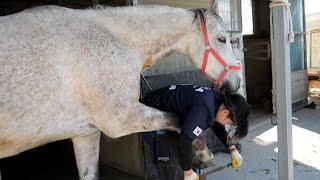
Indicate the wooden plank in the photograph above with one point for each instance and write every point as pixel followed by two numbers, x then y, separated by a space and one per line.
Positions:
pixel 281 50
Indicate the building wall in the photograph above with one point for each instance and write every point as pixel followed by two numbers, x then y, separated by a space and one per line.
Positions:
pixel 314 50
pixel 313 22
pixel 313 39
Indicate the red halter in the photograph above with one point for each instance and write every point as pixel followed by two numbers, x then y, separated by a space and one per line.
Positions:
pixel 208 50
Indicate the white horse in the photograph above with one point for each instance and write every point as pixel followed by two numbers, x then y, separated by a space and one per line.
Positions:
pixel 68 73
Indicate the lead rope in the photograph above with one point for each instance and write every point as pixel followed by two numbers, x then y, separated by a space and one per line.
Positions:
pixel 279 3
pixel 145 80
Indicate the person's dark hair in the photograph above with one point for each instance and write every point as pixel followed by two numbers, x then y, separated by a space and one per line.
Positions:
pixel 238 110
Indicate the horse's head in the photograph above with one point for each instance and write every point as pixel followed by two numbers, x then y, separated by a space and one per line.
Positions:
pixel 211 51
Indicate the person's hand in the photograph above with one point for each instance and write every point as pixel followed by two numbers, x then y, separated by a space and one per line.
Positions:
pixel 236 159
pixel 190 175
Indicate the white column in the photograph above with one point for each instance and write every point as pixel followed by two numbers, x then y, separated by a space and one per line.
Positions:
pixel 134 2
pixel 281 50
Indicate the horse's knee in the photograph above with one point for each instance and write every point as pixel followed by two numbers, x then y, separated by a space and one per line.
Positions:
pixel 203 157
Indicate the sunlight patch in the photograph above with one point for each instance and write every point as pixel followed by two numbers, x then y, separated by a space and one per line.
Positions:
pixel 306 144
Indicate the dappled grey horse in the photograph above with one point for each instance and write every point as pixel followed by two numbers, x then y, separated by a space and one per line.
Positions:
pixel 68 73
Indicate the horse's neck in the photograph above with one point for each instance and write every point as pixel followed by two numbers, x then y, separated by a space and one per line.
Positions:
pixel 151 30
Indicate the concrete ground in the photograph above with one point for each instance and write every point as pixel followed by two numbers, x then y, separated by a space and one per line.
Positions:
pixel 259 149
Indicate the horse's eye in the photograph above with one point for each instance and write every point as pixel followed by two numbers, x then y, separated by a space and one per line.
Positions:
pixel 222 39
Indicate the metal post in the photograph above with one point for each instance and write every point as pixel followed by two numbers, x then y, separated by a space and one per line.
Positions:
pixel 310 50
pixel 304 35
pixel 281 50
pixel 239 16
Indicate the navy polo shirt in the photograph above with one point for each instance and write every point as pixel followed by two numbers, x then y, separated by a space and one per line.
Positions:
pixel 197 107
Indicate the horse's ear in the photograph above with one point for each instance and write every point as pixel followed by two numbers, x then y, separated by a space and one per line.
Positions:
pixel 214 7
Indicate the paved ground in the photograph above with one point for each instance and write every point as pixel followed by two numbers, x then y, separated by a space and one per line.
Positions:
pixel 260 150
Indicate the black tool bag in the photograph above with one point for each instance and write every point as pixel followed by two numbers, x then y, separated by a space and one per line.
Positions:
pixel 165 163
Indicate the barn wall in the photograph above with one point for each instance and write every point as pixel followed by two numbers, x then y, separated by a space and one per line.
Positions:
pixel 261 18
pixel 125 153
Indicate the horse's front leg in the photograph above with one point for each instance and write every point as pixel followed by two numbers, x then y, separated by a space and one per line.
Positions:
pixel 86 149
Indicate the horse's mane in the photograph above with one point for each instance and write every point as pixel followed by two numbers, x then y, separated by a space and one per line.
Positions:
pixel 199 14
pixel 159 9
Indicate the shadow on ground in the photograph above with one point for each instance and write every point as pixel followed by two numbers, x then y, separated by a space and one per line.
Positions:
pixel 54 161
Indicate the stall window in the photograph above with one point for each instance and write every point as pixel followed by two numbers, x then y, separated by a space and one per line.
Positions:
pixel 247 17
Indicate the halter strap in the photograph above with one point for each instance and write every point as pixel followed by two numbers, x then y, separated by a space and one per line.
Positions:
pixel 211 50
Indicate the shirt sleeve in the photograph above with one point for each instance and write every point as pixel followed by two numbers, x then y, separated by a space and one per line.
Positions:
pixel 221 133
pixel 196 121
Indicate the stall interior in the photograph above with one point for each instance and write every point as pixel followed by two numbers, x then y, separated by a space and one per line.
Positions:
pixel 257 57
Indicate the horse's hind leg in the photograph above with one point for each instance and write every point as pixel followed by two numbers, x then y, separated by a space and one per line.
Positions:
pixel 142 118
pixel 86 149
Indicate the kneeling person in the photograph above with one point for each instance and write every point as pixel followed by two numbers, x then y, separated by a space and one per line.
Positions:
pixel 200 108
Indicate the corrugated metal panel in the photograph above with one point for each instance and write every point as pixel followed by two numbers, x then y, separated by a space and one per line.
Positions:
pixel 173 63
pixel 162 80
pixel 297 48
pixel 299 87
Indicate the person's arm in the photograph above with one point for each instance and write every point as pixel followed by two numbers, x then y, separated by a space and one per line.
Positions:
pixel 192 127
pixel 221 133
pixel 185 151
pixel 186 156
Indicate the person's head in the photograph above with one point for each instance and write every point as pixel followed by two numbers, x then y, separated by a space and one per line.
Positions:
pixel 234 111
